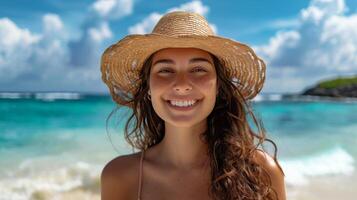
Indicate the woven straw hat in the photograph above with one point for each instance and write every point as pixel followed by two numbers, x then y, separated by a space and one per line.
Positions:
pixel 122 62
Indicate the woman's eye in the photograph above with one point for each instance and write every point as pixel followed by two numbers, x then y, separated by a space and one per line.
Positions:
pixel 198 69
pixel 164 71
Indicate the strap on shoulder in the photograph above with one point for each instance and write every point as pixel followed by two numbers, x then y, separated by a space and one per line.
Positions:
pixel 140 173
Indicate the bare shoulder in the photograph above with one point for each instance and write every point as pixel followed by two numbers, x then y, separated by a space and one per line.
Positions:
pixel 267 161
pixel 274 170
pixel 119 177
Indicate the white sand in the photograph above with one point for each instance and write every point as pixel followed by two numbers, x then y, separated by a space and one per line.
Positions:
pixel 326 188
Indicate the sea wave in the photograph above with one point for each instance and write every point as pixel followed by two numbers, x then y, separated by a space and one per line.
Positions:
pixel 335 161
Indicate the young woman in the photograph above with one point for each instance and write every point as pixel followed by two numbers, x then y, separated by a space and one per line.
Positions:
pixel 188 90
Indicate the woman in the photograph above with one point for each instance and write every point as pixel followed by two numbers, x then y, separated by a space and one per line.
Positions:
pixel 188 90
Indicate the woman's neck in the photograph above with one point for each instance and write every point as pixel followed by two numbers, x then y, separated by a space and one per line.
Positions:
pixel 182 148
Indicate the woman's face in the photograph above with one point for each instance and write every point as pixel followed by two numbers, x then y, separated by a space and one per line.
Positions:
pixel 181 76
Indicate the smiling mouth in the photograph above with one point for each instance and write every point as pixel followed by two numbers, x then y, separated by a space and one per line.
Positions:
pixel 183 106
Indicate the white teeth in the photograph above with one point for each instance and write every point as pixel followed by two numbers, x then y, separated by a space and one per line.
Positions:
pixel 183 103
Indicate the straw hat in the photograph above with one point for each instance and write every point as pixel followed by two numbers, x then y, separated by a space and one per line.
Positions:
pixel 122 62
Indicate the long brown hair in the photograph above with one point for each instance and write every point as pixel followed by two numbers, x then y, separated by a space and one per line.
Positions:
pixel 231 141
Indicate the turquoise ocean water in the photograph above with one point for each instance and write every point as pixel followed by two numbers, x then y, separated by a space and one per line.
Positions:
pixel 57 142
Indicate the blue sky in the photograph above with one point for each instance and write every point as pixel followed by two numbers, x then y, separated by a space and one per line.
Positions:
pixel 56 45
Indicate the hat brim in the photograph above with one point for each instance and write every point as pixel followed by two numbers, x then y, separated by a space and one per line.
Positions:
pixel 122 62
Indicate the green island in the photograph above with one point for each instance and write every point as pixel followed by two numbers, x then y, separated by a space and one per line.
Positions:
pixel 337 87
pixel 338 82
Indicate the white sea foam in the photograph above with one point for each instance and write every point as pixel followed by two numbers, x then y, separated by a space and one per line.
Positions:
pixel 335 161
pixel 298 97
pixel 14 95
pixel 30 179
pixel 51 96
pixel 311 98
pixel 45 96
pixel 268 97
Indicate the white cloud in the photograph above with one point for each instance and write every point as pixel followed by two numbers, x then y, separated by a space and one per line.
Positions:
pixel 147 24
pixel 52 23
pixel 15 49
pixel 101 33
pixel 323 45
pixel 113 9
pixel 11 35
pixel 286 39
pixel 322 9
pixel 50 53
pixel 193 6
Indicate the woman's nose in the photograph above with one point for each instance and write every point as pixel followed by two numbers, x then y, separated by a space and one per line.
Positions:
pixel 182 83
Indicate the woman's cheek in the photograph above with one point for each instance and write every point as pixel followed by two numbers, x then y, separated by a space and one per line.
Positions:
pixel 207 82
pixel 157 81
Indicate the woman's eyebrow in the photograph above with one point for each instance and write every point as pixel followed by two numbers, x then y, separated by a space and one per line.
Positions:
pixel 164 61
pixel 192 60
